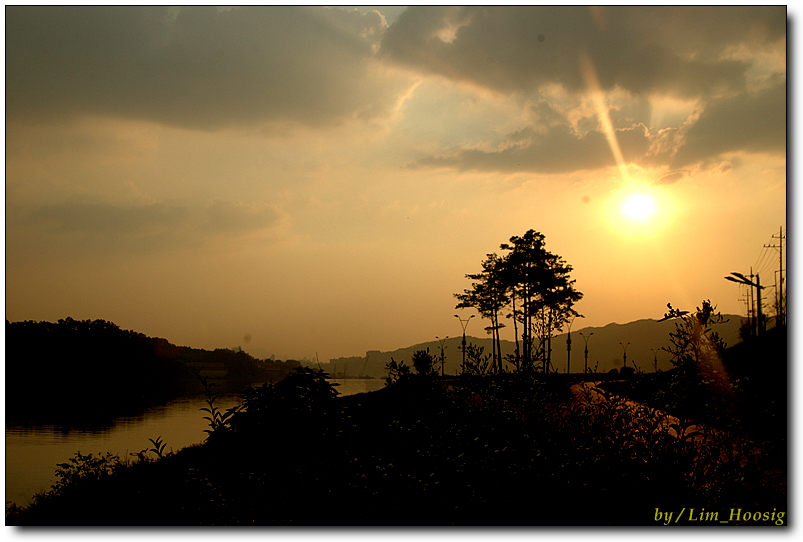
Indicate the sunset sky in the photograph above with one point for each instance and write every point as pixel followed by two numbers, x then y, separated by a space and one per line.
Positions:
pixel 296 180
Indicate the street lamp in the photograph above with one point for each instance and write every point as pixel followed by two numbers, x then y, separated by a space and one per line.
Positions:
pixel 464 323
pixel 569 344
pixel 442 347
pixel 585 352
pixel 624 355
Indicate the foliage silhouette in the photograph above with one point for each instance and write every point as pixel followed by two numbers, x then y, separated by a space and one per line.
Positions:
pixel 218 420
pixel 158 447
pixel 113 372
pixel 396 372
pixel 423 363
pixel 520 448
pixel 477 363
pixel 693 340
pixel 509 449
pixel 540 281
pixel 489 295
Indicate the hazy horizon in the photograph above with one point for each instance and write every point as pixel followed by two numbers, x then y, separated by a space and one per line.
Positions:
pixel 305 179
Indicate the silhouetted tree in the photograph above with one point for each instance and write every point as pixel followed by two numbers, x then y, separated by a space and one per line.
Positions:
pixel 541 281
pixel 557 298
pixel 488 294
pixel 523 274
pixel 424 362
pixel 397 371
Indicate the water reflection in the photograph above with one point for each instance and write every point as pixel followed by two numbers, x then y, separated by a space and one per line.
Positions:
pixel 352 386
pixel 32 452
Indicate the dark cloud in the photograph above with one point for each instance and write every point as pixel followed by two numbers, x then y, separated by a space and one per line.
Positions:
pixel 638 48
pixel 670 178
pixel 108 219
pixel 752 122
pixel 683 52
pixel 235 217
pixel 557 151
pixel 84 229
pixel 194 66
pixel 110 228
pixel 207 68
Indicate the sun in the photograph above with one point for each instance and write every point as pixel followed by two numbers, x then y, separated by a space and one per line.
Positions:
pixel 638 207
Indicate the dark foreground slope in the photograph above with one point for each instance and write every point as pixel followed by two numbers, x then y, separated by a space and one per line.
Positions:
pixel 505 450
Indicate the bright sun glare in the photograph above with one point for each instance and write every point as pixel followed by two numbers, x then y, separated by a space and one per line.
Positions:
pixel 638 207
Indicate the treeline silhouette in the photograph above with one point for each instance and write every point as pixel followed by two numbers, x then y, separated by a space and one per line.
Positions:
pixel 530 286
pixel 78 372
pixel 508 449
pixel 517 448
pixel 488 447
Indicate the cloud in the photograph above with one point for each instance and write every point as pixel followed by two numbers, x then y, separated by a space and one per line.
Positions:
pixel 207 68
pixel 113 227
pixel 196 67
pixel 109 219
pixel 670 178
pixel 643 57
pixel 236 217
pixel 637 48
pixel 751 122
pixel 559 150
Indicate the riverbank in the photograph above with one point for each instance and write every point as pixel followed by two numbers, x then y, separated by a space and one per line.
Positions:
pixel 34 450
pixel 498 450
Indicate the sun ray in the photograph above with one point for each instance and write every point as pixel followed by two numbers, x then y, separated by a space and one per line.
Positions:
pixel 590 75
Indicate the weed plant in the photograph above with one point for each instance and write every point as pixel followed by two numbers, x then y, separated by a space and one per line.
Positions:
pixel 510 449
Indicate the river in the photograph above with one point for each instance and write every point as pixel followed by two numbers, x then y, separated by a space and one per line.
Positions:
pixel 32 453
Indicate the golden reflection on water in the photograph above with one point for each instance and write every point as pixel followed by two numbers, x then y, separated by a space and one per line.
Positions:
pixel 32 453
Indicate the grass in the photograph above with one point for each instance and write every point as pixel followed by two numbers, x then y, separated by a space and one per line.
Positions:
pixel 512 449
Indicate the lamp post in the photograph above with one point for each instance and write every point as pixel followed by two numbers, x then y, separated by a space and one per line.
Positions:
pixel 585 352
pixel 624 354
pixel 569 346
pixel 464 323
pixel 442 347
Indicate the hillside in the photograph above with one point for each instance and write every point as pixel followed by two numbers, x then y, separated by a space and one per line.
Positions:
pixel 80 371
pixel 604 350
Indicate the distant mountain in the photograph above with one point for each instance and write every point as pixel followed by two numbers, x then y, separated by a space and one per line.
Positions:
pixel 604 349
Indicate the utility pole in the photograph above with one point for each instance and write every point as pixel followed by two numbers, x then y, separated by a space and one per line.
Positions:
pixel 746 300
pixel 760 323
pixel 753 305
pixel 753 323
pixel 741 279
pixel 780 311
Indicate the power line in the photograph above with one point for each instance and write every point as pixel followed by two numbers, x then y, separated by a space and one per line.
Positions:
pixel 763 260
pixel 779 299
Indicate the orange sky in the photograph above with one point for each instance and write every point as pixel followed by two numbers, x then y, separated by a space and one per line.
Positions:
pixel 322 179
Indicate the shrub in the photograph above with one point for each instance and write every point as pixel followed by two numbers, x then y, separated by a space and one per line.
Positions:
pixel 424 363
pixel 397 372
